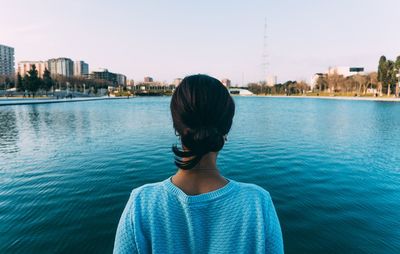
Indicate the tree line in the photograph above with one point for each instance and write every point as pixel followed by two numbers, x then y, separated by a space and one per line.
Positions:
pixel 387 76
pixel 359 84
pixel 383 82
pixel 32 83
pixel 287 88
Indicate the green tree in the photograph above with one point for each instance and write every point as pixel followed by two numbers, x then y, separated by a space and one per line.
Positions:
pixel 397 71
pixel 382 73
pixel 254 88
pixel 33 82
pixel 47 82
pixel 20 83
pixel 391 76
pixel 9 83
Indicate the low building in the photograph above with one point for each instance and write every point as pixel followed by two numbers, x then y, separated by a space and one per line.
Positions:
pixel 104 74
pixel 25 66
pixel 7 64
pixel 130 82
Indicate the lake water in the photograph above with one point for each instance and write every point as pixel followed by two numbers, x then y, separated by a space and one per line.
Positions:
pixel 332 168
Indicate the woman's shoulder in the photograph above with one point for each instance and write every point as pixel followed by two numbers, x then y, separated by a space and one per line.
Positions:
pixel 253 190
pixel 147 190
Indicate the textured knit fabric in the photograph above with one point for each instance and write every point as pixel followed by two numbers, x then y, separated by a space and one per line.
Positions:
pixel 161 218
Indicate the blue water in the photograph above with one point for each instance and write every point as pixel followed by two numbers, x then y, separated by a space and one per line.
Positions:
pixel 331 166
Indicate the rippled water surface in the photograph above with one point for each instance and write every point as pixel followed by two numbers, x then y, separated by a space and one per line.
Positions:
pixel 332 168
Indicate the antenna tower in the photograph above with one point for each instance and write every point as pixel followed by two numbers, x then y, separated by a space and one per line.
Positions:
pixel 265 57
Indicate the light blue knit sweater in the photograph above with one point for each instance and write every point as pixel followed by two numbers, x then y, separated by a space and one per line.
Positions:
pixel 161 218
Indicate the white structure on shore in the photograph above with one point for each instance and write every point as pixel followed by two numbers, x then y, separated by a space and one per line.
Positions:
pixel 81 68
pixel 345 71
pixel 7 64
pixel 240 91
pixel 25 66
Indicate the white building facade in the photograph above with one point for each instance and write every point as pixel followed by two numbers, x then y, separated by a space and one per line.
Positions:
pixel 61 66
pixel 7 64
pixel 25 66
pixel 345 71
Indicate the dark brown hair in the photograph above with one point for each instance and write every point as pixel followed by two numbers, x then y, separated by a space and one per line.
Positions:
pixel 202 113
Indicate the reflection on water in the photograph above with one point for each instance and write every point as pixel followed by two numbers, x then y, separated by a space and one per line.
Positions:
pixel 8 132
pixel 66 170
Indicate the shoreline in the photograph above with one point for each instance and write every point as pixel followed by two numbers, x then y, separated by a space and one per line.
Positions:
pixel 333 97
pixel 10 101
pixel 24 101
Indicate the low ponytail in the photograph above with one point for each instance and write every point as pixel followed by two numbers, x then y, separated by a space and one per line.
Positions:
pixel 202 112
pixel 198 142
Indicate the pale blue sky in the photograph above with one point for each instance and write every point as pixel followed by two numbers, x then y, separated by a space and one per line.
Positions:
pixel 168 39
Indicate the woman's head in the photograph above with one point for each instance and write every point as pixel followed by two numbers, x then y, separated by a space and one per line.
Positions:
pixel 202 112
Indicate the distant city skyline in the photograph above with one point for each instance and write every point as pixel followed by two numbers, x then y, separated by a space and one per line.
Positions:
pixel 168 40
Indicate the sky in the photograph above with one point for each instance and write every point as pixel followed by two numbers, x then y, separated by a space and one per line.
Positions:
pixel 225 39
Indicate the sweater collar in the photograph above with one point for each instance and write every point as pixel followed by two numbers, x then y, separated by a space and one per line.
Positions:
pixel 204 197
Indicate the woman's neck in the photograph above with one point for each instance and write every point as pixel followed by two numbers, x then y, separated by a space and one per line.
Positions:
pixel 202 178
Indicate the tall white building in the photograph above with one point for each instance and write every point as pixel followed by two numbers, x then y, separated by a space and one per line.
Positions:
pixel 7 63
pixel 61 66
pixel 81 68
pixel 25 66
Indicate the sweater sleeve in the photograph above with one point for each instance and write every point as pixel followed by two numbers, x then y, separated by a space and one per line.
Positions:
pixel 274 241
pixel 125 236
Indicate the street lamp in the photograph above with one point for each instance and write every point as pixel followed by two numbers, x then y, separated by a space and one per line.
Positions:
pixel 398 85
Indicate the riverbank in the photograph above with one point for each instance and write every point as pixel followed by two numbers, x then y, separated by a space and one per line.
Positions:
pixel 24 101
pixel 389 99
